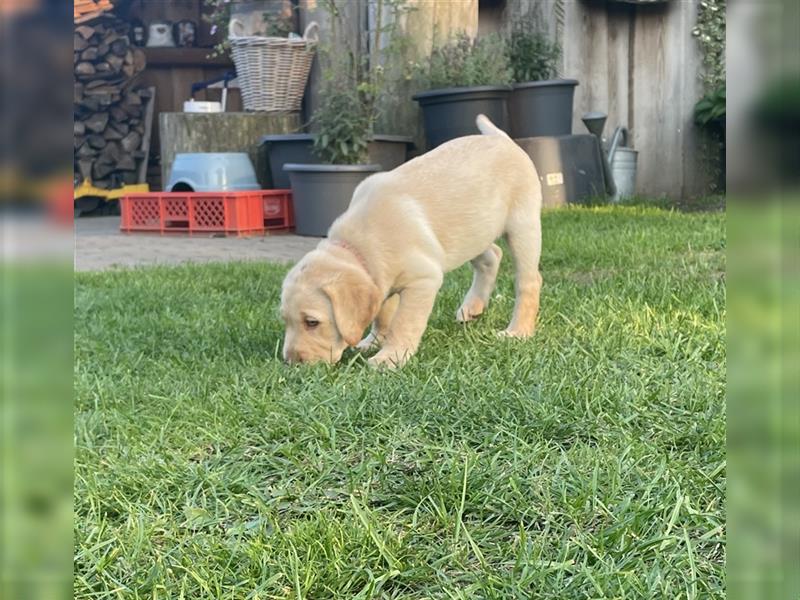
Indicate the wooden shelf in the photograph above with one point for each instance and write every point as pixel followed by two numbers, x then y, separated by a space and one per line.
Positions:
pixel 184 57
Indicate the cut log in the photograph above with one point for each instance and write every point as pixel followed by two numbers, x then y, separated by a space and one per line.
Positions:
pixel 101 90
pixel 115 62
pixel 112 133
pixel 126 163
pixel 97 122
pixel 133 99
pixel 85 151
pixel 90 103
pixel 118 114
pixel 131 142
pixel 110 37
pixel 85 168
pixel 123 128
pixel 101 170
pixel 108 109
pixel 110 154
pixel 84 69
pixel 134 112
pixel 96 141
pixel 85 31
pixel 79 43
pixel 90 53
pixel 90 85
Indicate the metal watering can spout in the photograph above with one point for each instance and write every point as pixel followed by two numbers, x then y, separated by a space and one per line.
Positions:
pixel 620 138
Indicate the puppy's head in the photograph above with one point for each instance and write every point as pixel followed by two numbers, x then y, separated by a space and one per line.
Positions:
pixel 326 303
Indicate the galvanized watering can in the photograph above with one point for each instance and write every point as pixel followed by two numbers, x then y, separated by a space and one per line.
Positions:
pixel 620 160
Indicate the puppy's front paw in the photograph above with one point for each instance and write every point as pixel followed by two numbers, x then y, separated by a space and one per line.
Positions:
pixel 470 309
pixel 389 358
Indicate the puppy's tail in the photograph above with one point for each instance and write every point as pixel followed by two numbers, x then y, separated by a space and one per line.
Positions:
pixel 486 127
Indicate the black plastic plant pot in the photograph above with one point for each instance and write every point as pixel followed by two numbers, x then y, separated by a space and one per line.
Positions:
pixel 542 108
pixel 389 151
pixel 320 193
pixel 294 148
pixel 450 113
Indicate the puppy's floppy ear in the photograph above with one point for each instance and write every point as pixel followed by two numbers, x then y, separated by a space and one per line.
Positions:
pixel 355 300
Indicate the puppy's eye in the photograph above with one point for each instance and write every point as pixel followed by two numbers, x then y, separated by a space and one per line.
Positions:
pixel 311 323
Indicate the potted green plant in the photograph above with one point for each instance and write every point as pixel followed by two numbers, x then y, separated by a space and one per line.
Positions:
pixel 464 78
pixel 322 191
pixel 389 151
pixel 344 122
pixel 342 60
pixel 539 104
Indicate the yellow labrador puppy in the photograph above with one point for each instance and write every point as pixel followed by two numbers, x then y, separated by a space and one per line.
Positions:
pixel 384 259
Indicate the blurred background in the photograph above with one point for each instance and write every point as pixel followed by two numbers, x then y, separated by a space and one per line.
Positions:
pixel 36 284
pixel 763 173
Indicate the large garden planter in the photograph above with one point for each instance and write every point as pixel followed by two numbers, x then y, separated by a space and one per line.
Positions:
pixel 542 108
pixel 388 151
pixel 450 113
pixel 570 168
pixel 320 193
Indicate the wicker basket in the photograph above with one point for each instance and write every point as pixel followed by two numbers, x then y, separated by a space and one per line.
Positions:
pixel 272 71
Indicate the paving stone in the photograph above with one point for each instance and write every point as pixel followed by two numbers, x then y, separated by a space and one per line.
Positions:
pixel 99 245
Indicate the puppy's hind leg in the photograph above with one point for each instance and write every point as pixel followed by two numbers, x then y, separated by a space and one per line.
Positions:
pixel 485 267
pixel 380 326
pixel 524 235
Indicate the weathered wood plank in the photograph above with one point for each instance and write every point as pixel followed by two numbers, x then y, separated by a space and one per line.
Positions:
pixel 639 64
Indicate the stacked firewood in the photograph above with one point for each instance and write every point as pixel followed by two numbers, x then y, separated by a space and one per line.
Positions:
pixel 88 9
pixel 109 112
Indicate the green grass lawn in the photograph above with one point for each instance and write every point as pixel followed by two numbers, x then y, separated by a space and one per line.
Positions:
pixel 587 462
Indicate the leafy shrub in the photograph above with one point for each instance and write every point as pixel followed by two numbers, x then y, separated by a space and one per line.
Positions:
pixel 531 55
pixel 344 123
pixel 466 62
pixel 709 31
pixel 710 107
pixel 353 81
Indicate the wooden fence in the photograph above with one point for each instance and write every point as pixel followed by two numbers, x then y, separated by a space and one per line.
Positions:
pixel 638 63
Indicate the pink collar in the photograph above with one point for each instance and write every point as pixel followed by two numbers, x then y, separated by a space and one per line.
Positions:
pixel 354 252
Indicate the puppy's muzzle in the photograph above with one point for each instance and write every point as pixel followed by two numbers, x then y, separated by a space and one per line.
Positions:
pixel 294 356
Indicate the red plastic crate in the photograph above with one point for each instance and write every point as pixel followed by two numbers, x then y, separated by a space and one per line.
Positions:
pixel 278 209
pixel 194 212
